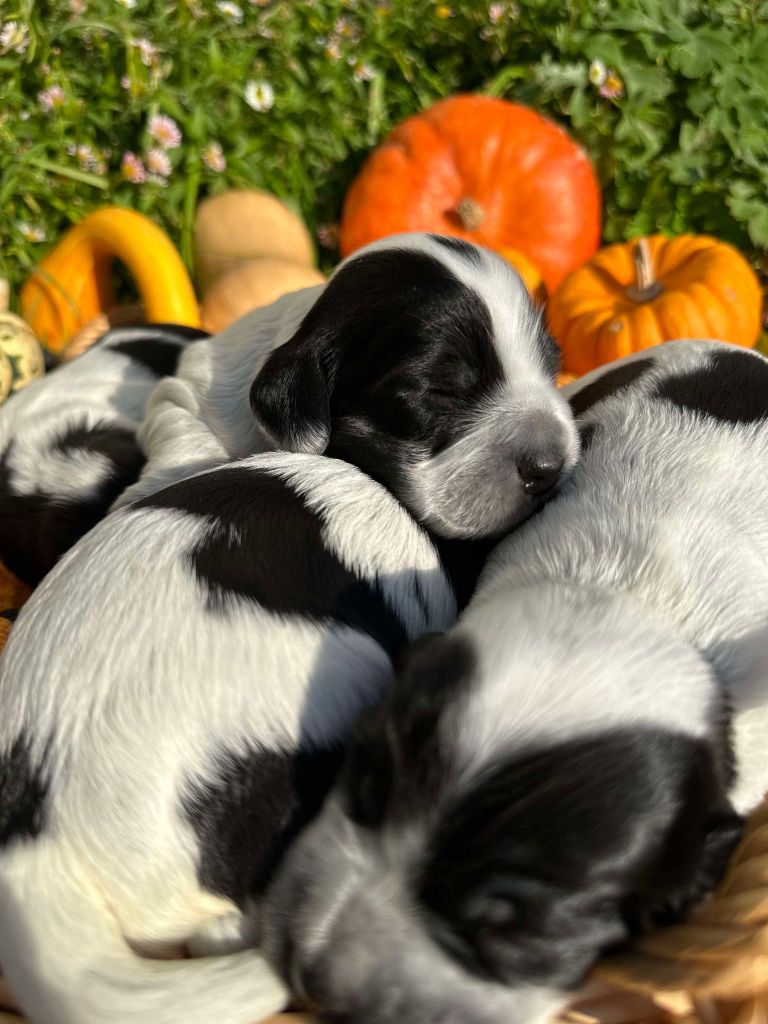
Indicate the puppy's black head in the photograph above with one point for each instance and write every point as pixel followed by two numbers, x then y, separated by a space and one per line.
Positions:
pixel 433 888
pixel 554 858
pixel 428 367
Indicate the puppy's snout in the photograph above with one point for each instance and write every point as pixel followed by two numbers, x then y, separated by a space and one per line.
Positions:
pixel 540 473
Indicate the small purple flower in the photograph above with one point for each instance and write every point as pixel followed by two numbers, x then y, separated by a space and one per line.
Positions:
pixel 132 168
pixel 213 158
pixel 364 73
pixel 496 13
pixel 158 163
pixel 147 51
pixel 613 87
pixel 85 156
pixel 333 48
pixel 51 98
pixel 164 131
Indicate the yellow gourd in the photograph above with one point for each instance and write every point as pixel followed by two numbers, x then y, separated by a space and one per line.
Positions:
pixel 72 284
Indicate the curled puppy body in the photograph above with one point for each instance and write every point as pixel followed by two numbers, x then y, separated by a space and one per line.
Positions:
pixel 569 764
pixel 165 741
pixel 423 361
pixel 68 443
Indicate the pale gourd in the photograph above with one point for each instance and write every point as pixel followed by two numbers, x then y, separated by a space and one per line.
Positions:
pixel 242 225
pixel 250 285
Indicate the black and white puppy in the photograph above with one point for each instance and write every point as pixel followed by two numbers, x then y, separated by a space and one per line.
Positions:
pixel 422 361
pixel 568 765
pixel 68 443
pixel 176 693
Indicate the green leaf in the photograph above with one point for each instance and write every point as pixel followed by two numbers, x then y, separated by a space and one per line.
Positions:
pixel 758 227
pixel 500 83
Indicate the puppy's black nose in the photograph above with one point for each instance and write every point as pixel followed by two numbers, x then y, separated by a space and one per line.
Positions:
pixel 539 473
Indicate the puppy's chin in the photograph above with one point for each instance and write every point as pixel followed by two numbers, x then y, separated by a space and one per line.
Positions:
pixel 474 524
pixel 478 514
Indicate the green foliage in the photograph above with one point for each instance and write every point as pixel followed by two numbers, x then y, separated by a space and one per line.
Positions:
pixel 670 98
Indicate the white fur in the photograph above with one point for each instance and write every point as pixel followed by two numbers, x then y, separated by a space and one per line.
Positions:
pixel 133 691
pixel 663 529
pixel 201 417
pixel 100 387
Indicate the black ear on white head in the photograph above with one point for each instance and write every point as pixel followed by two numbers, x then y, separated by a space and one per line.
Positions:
pixel 394 750
pixel 290 396
pixel 711 848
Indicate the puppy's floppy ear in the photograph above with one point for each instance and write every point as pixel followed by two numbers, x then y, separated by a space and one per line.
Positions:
pixel 290 396
pixel 393 751
pixel 711 850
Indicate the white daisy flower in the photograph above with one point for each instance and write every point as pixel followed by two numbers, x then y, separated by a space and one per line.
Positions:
pixel 259 96
pixel 14 37
pixel 598 72
pixel 230 10
pixel 32 232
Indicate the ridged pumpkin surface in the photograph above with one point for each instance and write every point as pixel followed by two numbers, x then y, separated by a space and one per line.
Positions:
pixel 493 172
pixel 701 288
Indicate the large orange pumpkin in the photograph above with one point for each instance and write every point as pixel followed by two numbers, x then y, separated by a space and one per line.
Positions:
pixel 493 172
pixel 637 294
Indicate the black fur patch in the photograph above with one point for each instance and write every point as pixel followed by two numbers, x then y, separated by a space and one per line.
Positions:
pixel 265 545
pixel 161 357
pixel 157 347
pixel 23 795
pixel 586 435
pixel 395 764
pixel 732 387
pixel 557 856
pixel 248 815
pixel 608 384
pixel 463 561
pixel 464 249
pixel 36 529
pixel 115 443
pixel 392 352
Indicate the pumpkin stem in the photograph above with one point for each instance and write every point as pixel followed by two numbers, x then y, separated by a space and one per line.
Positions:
pixel 470 214
pixel 646 287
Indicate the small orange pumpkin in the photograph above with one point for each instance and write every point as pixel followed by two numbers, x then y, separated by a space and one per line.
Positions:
pixel 634 295
pixel 483 169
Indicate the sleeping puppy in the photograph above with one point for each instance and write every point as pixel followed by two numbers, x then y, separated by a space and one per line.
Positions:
pixel 177 691
pixel 68 442
pixel 422 361
pixel 568 765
